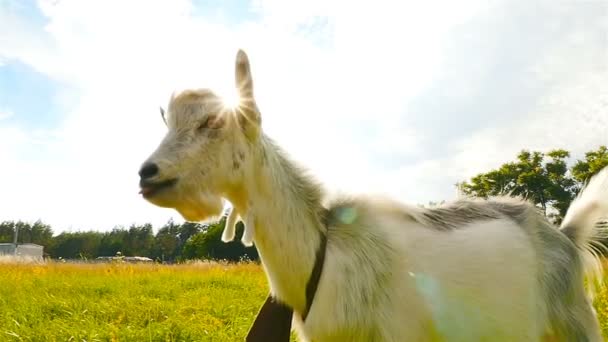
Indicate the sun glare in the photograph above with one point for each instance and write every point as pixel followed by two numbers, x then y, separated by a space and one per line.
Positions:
pixel 230 97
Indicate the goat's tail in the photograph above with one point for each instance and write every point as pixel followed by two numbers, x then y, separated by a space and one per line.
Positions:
pixel 583 224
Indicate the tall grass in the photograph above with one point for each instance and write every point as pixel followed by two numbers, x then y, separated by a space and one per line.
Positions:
pixel 126 302
pixel 11 259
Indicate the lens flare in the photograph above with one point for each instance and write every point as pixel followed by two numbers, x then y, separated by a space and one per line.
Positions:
pixel 230 98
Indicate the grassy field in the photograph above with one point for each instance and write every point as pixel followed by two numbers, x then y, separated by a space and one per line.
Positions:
pixel 122 302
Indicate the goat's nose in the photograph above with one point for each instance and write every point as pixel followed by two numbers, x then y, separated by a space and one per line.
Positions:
pixel 148 170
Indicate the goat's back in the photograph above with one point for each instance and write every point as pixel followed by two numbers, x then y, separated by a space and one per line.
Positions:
pixel 470 271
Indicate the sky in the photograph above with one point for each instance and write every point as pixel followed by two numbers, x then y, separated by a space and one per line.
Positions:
pixel 401 98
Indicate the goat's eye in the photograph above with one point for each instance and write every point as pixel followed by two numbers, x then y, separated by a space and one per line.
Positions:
pixel 204 124
pixel 211 122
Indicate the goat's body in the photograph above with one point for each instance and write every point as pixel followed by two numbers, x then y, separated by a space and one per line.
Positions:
pixel 390 275
pixel 470 271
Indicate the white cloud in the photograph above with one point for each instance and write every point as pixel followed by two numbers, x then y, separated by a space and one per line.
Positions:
pixel 339 89
pixel 5 114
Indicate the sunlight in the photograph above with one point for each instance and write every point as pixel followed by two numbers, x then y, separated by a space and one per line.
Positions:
pixel 229 95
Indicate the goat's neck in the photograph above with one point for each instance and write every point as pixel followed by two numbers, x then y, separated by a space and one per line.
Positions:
pixel 285 208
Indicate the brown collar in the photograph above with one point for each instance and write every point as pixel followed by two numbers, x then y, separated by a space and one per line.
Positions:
pixel 273 322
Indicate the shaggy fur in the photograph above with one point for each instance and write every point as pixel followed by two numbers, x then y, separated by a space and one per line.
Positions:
pixel 472 270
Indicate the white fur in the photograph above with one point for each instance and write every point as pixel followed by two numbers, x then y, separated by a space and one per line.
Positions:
pixel 229 228
pixel 392 272
pixel 589 207
pixel 247 238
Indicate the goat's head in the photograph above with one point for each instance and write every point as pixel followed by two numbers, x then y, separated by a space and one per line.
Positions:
pixel 206 150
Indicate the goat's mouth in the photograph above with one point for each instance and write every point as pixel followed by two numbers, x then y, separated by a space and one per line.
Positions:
pixel 149 189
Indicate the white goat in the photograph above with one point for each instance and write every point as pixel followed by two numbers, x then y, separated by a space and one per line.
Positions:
pixel 472 270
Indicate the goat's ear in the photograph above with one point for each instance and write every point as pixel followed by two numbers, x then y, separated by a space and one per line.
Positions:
pixel 162 114
pixel 249 115
pixel 244 81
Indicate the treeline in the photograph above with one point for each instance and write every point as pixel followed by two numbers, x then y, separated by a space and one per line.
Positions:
pixel 546 179
pixel 172 242
pixel 543 178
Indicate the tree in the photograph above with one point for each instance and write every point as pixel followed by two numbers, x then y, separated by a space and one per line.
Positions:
pixel 560 188
pixel 76 245
pixel 167 242
pixel 6 231
pixel 542 178
pixel 209 245
pixel 544 182
pixel 38 232
pixel 189 229
pixel 593 163
pixel 113 242
pixel 140 240
pixel 41 233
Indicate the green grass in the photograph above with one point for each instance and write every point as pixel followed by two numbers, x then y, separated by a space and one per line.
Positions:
pixel 102 302
pixel 122 302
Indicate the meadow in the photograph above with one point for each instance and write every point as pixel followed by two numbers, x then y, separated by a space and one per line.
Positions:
pixel 136 302
pixel 129 302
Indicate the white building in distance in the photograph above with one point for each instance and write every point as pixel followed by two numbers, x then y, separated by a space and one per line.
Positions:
pixel 27 250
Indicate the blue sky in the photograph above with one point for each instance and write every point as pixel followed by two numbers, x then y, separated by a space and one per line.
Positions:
pixel 392 97
pixel 19 81
pixel 31 94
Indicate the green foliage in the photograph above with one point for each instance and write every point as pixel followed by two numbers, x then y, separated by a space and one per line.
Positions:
pixel 593 163
pixel 543 178
pixel 38 232
pixel 76 245
pixel 112 242
pixel 168 244
pixel 209 245
pixel 173 242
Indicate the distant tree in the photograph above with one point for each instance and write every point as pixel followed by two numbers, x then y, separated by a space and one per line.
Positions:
pixel 561 188
pixel 208 245
pixel 6 231
pixel 140 240
pixel 42 233
pixel 544 179
pixel 76 245
pixel 38 232
pixel 593 163
pixel 544 182
pixel 113 242
pixel 167 242
pixel 189 229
